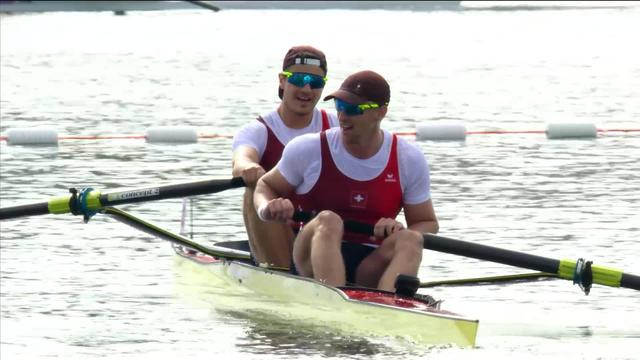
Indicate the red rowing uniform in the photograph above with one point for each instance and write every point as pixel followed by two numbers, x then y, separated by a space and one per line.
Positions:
pixel 273 150
pixel 364 201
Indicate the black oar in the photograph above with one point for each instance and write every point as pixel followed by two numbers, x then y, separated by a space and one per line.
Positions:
pixel 581 272
pixel 151 229
pixel 87 201
pixel 220 252
pixel 489 280
pixel 204 5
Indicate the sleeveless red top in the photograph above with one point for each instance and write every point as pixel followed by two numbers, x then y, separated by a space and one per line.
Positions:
pixel 364 201
pixel 273 150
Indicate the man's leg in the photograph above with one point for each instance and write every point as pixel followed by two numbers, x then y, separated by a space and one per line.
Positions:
pixel 316 251
pixel 270 242
pixel 400 253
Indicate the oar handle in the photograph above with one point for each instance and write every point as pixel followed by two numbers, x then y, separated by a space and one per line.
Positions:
pixel 349 225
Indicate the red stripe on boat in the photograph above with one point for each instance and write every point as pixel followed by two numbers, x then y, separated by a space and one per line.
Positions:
pixel 385 298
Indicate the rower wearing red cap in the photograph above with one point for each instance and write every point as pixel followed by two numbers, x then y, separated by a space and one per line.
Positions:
pixel 258 146
pixel 357 172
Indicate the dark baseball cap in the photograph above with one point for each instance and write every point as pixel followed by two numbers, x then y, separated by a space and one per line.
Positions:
pixel 303 55
pixel 363 87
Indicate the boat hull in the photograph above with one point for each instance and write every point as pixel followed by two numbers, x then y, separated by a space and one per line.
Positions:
pixel 382 314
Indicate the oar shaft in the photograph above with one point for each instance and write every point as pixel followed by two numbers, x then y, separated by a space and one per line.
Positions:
pixel 169 191
pixel 204 5
pixel 94 200
pixel 630 281
pixel 490 253
pixel 161 233
pixel 489 280
pixel 563 268
pixel 473 250
pixel 24 210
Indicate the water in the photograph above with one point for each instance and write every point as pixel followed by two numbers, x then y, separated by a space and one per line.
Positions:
pixel 78 290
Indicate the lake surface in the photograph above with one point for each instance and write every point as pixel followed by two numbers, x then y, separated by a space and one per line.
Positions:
pixel 102 289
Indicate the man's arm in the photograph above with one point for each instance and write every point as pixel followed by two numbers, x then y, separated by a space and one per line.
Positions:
pixel 245 164
pixel 418 205
pixel 421 217
pixel 269 200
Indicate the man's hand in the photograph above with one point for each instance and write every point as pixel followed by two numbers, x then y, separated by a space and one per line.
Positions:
pixel 279 209
pixel 385 227
pixel 251 174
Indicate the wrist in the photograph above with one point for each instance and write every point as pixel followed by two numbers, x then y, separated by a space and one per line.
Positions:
pixel 262 212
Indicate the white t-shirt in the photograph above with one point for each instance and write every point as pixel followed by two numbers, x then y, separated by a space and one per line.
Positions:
pixel 301 164
pixel 254 134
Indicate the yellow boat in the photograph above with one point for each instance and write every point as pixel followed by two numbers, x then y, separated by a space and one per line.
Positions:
pixel 354 310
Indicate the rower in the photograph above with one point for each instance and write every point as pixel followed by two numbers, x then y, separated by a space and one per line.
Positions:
pixel 357 172
pixel 257 147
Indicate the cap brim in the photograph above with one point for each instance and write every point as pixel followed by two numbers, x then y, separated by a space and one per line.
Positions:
pixel 346 96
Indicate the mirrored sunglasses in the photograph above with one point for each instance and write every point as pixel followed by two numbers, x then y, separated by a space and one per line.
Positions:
pixel 301 79
pixel 351 109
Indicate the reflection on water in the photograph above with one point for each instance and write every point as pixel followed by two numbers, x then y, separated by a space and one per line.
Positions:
pixel 268 334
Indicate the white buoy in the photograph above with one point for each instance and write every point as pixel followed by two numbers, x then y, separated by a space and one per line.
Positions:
pixel 441 130
pixel 32 136
pixel 571 130
pixel 172 134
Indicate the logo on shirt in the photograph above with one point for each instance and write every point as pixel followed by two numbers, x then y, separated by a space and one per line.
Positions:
pixel 358 199
pixel 390 178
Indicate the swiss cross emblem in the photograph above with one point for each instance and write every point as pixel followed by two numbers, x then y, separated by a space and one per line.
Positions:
pixel 358 199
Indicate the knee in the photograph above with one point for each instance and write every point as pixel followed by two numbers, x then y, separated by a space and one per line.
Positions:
pixel 409 241
pixel 329 221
